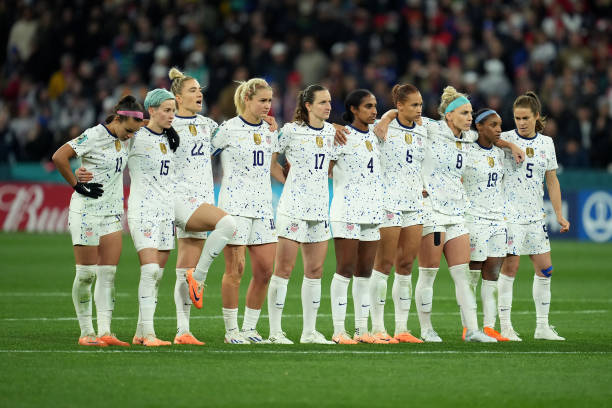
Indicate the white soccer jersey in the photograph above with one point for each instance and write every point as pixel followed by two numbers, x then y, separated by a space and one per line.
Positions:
pixel 443 167
pixel 401 157
pixel 483 182
pixel 192 173
pixel 151 165
pixel 524 182
pixel 306 192
pixel 358 189
pixel 105 156
pixel 246 188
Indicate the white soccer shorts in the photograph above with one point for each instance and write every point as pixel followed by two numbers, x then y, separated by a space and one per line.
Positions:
pixel 487 240
pixel 402 219
pixel 303 231
pixel 253 231
pixel 528 239
pixel 86 229
pixel 157 234
pixel 362 232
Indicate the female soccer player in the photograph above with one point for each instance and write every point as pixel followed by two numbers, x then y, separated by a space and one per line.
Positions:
pixel 483 182
pixel 400 233
pixel 527 233
pixel 303 211
pixel 248 159
pixel 150 212
pixel 194 199
pixel 356 212
pixel 95 215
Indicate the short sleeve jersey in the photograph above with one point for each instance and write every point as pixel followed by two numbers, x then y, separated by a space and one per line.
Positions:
pixel 306 192
pixel 402 154
pixel 358 189
pixel 443 167
pixel 524 181
pixel 246 155
pixel 151 166
pixel 192 173
pixel 105 156
pixel 483 182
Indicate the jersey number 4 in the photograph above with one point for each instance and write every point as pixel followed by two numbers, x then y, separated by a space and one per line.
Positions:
pixel 371 165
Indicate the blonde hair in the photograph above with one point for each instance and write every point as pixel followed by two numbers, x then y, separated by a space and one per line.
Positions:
pixel 448 95
pixel 178 80
pixel 246 90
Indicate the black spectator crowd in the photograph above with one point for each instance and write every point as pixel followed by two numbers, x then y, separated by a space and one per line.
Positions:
pixel 66 63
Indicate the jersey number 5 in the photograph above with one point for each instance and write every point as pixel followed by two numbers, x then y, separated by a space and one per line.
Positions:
pixel 529 169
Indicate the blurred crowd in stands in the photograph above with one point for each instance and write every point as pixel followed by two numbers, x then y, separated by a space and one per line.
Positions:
pixel 66 63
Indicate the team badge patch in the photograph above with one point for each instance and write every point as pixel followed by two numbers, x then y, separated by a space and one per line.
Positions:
pixel 529 152
pixel 458 144
pixel 294 227
pixel 268 139
pixel 193 130
pixel 117 145
pixel 408 138
pixel 368 145
pixel 257 138
pixel 350 227
pixel 163 148
pixel 81 139
pixel 491 161
pixel 319 141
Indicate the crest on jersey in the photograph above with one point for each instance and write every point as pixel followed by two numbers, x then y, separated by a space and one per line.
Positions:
pixel 257 138
pixel 81 139
pixel 491 161
pixel 408 138
pixel 193 130
pixel 529 152
pixel 458 144
pixel 268 139
pixel 319 141
pixel 368 145
pixel 163 148
pixel 117 145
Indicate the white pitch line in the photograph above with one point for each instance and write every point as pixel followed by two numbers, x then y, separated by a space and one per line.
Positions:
pixel 289 316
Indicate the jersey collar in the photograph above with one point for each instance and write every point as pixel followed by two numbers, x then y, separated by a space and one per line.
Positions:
pixel 108 130
pixel 185 117
pixel 483 147
pixel 360 131
pixel 155 133
pixel 249 123
pixel 526 138
pixel 404 126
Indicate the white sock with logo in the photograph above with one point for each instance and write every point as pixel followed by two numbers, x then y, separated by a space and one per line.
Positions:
pixel 311 300
pixel 541 298
pixel 277 293
pixel 378 297
pixel 361 302
pixel 504 300
pixel 81 297
pixel 147 297
pixel 339 293
pixel 402 298
pixel 423 296
pixel 182 301
pixel 488 292
pixel 251 317
pixel 104 296
pixel 216 241
pixel 230 319
pixel 465 296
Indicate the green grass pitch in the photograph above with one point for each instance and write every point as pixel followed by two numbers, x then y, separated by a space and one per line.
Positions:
pixel 42 365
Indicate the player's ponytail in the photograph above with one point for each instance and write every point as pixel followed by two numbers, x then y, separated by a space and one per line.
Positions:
pixel 449 95
pixel 353 99
pixel 126 104
pixel 400 93
pixel 178 79
pixel 246 90
pixel 530 100
pixel 306 96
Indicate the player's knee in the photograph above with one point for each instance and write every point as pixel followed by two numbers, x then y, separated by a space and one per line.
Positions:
pixel 314 272
pixel 404 266
pixel 227 226
pixel 347 270
pixel 386 266
pixel 547 272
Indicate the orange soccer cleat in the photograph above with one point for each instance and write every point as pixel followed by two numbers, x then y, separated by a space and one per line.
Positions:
pixel 91 341
pixel 196 289
pixel 384 336
pixel 495 334
pixel 155 342
pixel 139 341
pixel 368 338
pixel 343 338
pixel 112 340
pixel 407 337
pixel 188 338
pixel 464 332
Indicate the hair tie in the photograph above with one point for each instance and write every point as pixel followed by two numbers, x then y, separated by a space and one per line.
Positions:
pixel 462 100
pixel 484 115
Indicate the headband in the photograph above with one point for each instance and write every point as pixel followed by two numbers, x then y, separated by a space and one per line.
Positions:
pixel 462 100
pixel 484 115
pixel 133 114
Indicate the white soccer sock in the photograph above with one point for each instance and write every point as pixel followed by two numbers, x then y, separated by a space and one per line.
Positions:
pixel 465 296
pixel 541 298
pixel 182 302
pixel 311 300
pixel 230 318
pixel 81 297
pixel 423 296
pixel 147 297
pixel 473 278
pixel 104 296
pixel 402 298
pixel 338 294
pixel 277 292
pixel 361 302
pixel 216 241
pixel 251 317
pixel 504 300
pixel 489 302
pixel 378 297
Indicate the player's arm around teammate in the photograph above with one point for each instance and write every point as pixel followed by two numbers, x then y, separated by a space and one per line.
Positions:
pixel 527 233
pixel 150 209
pixel 247 145
pixel 302 218
pixel 193 198
pixel 400 233
pixel 95 215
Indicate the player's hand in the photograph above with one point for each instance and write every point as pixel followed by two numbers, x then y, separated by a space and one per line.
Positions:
pixel 425 194
pixel 173 138
pixel 270 120
pixel 286 168
pixel 565 225
pixel 341 132
pixel 517 153
pixel 92 190
pixel 83 175
pixel 381 128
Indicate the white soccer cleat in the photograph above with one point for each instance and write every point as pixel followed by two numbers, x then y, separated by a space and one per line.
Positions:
pixel 314 338
pixel 253 337
pixel 430 336
pixel 279 338
pixel 235 337
pixel 510 334
pixel 547 333
pixel 478 336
